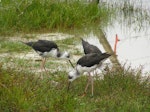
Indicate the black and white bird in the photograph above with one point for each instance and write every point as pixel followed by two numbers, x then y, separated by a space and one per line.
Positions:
pixel 89 48
pixel 46 48
pixel 87 63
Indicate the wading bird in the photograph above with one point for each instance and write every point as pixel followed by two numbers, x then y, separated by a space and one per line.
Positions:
pixel 89 48
pixel 87 63
pixel 46 48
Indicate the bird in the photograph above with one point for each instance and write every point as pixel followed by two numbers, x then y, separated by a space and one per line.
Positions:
pixel 89 48
pixel 47 48
pixel 87 63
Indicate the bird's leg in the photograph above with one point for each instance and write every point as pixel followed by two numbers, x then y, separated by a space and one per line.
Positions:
pixel 43 64
pixel 92 84
pixel 71 63
pixel 87 85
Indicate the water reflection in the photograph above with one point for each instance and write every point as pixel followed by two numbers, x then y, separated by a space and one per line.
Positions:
pixel 133 29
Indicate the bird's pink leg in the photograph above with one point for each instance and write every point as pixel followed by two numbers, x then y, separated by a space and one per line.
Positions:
pixel 87 85
pixel 92 84
pixel 43 64
pixel 90 79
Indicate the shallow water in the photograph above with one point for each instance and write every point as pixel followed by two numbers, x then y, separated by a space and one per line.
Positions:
pixel 134 34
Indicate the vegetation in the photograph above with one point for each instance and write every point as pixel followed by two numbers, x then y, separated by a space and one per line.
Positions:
pixel 131 14
pixel 118 91
pixel 9 46
pixel 48 15
pixel 22 89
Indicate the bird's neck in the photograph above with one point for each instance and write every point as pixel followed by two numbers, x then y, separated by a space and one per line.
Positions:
pixel 61 55
pixel 77 71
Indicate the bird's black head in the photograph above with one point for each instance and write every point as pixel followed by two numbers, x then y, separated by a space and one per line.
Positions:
pixel 72 75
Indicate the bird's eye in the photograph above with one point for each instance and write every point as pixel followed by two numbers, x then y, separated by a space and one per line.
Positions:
pixel 69 77
pixel 68 56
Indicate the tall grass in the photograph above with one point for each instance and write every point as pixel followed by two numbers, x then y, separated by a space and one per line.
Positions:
pixel 120 91
pixel 49 15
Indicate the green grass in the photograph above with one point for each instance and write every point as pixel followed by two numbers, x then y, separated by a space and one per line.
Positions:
pixel 48 15
pixel 120 91
pixel 22 90
pixel 13 46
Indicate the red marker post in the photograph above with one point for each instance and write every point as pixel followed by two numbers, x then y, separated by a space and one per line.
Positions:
pixel 116 41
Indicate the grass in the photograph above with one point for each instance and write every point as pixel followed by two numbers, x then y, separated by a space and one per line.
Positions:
pixel 13 46
pixel 119 91
pixel 41 16
pixel 22 89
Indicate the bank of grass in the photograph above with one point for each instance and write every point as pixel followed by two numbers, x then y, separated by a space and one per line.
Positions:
pixel 119 91
pixel 48 15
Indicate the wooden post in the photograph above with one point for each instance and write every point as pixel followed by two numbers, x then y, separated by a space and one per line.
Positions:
pixel 103 40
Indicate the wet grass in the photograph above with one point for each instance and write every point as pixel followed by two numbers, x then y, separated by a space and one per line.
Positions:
pixel 118 91
pixel 46 16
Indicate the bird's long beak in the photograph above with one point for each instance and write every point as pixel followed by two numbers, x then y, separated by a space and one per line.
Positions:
pixel 69 83
pixel 71 63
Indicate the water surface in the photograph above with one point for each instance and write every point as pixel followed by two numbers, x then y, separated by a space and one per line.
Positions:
pixel 133 30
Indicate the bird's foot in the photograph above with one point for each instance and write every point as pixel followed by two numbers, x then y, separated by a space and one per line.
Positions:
pixel 82 95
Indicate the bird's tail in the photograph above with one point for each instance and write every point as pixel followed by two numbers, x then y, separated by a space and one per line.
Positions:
pixel 83 40
pixel 106 54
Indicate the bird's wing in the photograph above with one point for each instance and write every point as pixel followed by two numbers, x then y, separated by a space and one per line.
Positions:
pixel 94 49
pixel 42 45
pixel 47 43
pixel 89 48
pixel 88 60
pixel 92 59
pixel 45 46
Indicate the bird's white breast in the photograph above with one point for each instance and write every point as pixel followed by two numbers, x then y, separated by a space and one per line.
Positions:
pixel 85 69
pixel 52 53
